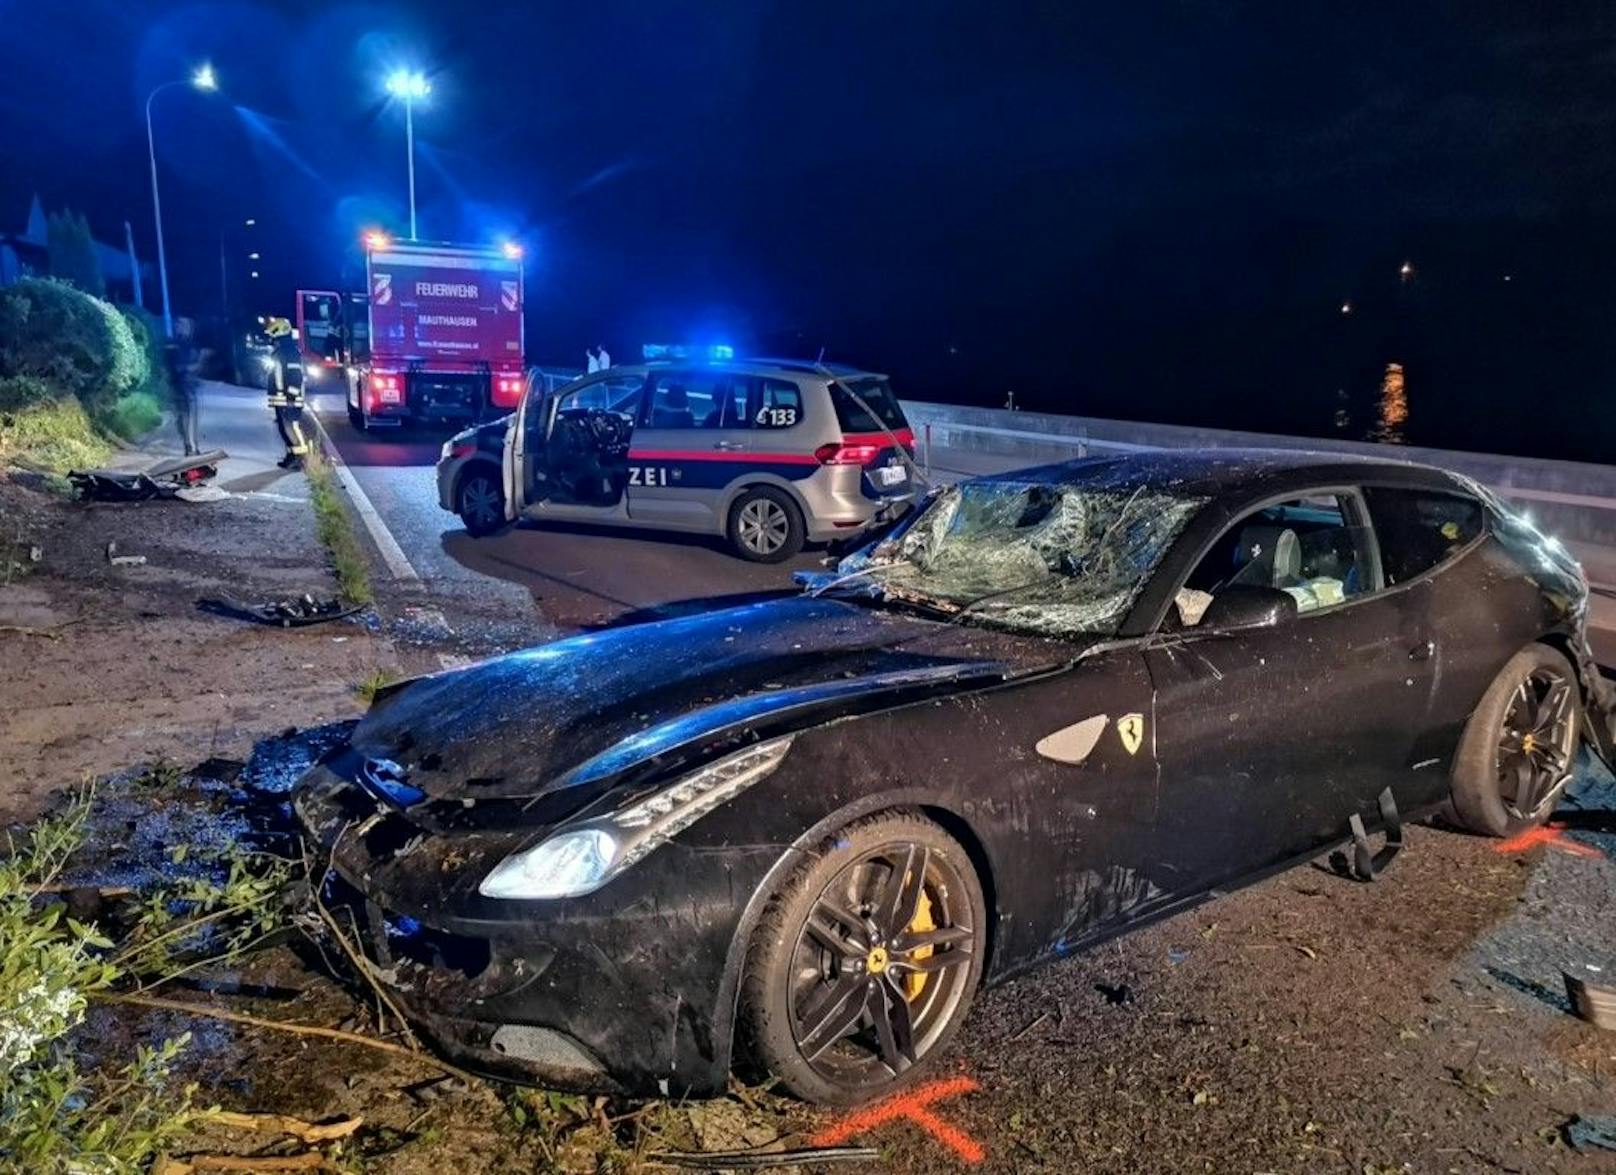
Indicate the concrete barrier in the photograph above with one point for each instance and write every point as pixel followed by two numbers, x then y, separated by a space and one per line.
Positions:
pixel 1572 499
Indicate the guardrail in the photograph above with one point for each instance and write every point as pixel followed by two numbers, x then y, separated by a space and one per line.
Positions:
pixel 1572 499
pixel 1084 444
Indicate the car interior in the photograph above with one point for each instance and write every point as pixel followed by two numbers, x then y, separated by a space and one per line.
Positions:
pixel 1306 548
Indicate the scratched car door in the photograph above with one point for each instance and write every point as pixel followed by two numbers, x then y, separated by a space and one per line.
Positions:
pixel 1270 738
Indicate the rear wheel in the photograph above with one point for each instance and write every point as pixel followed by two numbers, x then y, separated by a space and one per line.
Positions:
pixel 1518 749
pixel 866 961
pixel 766 526
pixel 480 502
pixel 356 418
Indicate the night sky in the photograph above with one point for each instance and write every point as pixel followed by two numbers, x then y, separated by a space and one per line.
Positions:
pixel 1142 211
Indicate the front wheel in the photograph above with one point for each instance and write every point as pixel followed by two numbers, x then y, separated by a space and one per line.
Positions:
pixel 865 963
pixel 480 502
pixel 766 526
pixel 1519 747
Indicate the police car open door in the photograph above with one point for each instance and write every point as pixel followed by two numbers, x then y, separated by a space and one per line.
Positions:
pixel 570 448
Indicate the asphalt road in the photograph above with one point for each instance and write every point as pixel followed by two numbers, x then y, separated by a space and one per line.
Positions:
pixel 566 576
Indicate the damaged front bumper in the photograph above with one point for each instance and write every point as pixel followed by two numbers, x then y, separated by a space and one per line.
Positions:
pixel 620 991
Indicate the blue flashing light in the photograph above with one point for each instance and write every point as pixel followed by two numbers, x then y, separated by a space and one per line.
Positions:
pixel 713 352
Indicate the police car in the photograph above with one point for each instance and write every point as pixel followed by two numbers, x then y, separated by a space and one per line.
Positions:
pixel 767 453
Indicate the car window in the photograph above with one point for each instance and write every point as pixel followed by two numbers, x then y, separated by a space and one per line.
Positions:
pixel 620 394
pixel 1310 547
pixel 687 399
pixel 777 404
pixel 877 395
pixel 1419 529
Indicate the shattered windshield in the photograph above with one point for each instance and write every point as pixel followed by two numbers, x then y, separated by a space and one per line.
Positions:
pixel 1052 559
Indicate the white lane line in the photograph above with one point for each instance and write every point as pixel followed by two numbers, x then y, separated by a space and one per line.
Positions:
pixel 392 553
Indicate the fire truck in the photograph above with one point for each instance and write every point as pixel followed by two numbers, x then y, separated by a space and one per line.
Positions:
pixel 436 338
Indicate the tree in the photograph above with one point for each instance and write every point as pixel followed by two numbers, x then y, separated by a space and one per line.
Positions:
pixel 72 252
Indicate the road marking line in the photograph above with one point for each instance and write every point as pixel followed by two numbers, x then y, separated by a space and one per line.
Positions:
pixel 392 553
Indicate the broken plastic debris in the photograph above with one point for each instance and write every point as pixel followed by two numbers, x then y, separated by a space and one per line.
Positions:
pixel 162 479
pixel 289 613
pixel 201 493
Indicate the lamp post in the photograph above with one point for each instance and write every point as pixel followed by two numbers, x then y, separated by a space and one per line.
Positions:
pixel 202 79
pixel 409 86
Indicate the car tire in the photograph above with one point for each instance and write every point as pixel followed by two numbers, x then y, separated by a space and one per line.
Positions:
pixel 1519 746
pixel 766 526
pixel 356 418
pixel 480 501
pixel 799 992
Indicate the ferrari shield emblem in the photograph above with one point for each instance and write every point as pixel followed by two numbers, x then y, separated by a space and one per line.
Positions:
pixel 1131 729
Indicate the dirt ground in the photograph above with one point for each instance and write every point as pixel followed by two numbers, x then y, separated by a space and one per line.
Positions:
pixel 1306 1024
pixel 122 666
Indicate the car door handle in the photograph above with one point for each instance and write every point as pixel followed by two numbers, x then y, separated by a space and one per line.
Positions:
pixel 727 446
pixel 1422 651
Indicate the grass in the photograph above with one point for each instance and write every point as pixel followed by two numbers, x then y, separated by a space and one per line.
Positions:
pixel 51 436
pixel 336 533
pixel 367 688
pixel 131 416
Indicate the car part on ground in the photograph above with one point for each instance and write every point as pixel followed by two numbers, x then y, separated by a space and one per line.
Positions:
pixel 161 479
pixel 293 612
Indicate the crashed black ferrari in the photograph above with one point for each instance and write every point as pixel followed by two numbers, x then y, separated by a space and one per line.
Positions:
pixel 1046 707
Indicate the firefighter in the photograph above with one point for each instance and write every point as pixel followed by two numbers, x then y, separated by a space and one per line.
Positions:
pixel 286 392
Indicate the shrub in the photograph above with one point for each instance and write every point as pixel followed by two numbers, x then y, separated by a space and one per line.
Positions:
pixel 53 332
pixel 43 429
pixel 128 367
pixel 148 336
pixel 132 416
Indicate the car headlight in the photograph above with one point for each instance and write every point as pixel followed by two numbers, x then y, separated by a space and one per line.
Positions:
pixel 584 857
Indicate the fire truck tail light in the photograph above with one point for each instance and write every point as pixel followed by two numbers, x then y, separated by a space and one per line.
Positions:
pixel 507 390
pixel 387 386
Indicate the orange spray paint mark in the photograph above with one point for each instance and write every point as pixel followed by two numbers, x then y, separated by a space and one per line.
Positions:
pixel 916 1107
pixel 1551 834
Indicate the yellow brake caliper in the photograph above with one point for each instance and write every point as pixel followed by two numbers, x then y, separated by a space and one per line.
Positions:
pixel 915 982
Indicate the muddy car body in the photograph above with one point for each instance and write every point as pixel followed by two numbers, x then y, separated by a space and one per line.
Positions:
pixel 1045 709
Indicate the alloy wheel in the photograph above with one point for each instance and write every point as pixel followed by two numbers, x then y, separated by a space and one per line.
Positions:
pixel 880 965
pixel 480 503
pixel 763 526
pixel 1535 748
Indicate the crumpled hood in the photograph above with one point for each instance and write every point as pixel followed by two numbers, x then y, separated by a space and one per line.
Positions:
pixel 582 709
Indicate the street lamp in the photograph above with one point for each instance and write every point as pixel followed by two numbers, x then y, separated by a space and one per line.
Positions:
pixel 204 79
pixel 409 86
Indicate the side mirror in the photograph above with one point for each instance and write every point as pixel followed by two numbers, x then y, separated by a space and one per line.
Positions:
pixel 1248 607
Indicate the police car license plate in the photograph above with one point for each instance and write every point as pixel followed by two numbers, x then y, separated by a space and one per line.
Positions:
pixel 891 475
